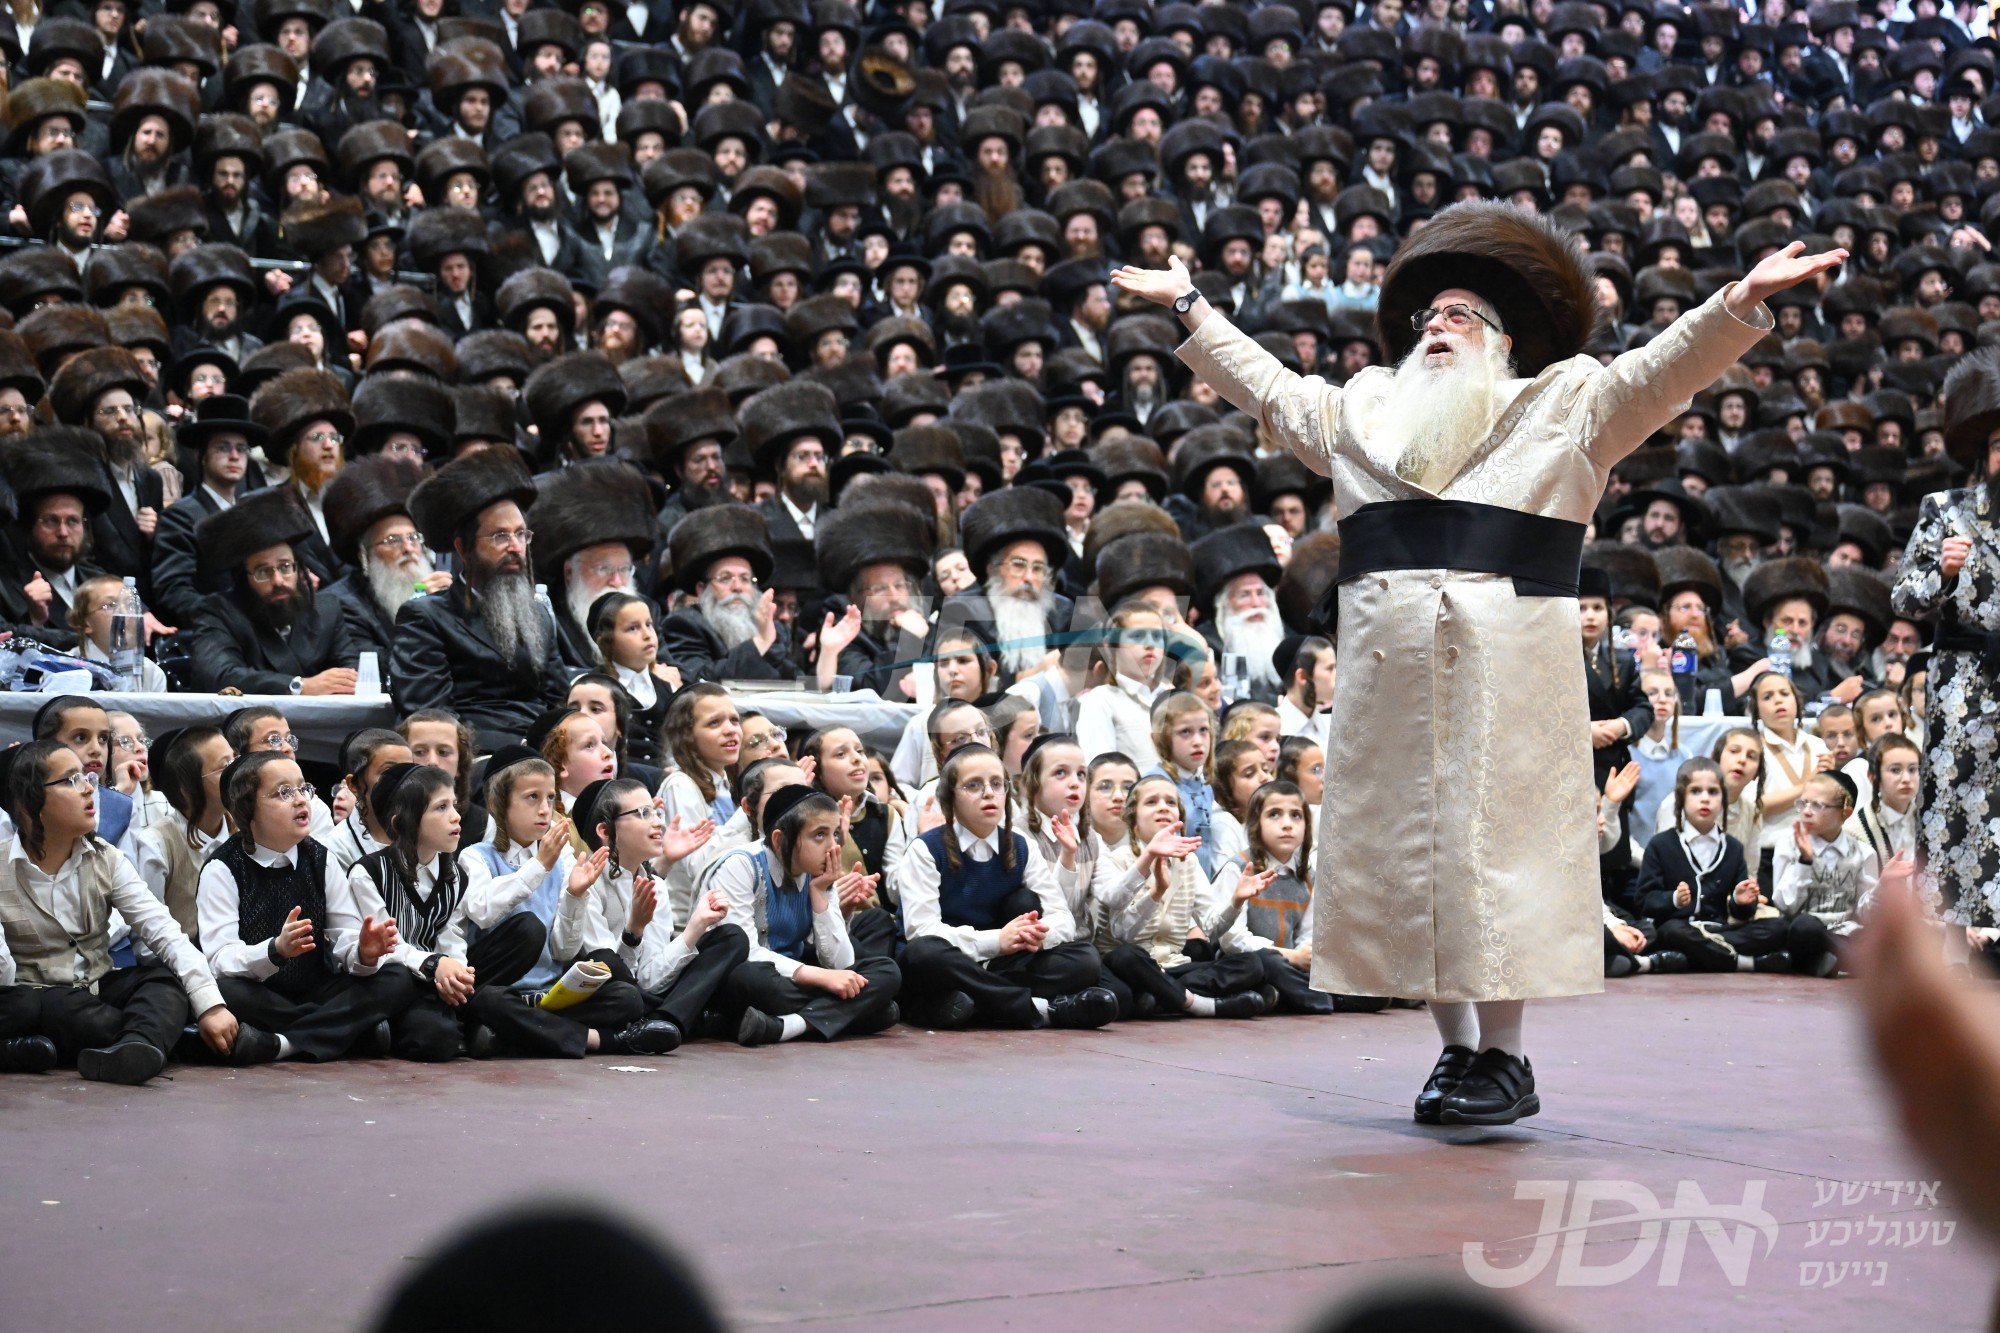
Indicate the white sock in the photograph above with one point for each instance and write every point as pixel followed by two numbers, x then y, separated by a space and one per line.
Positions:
pixel 1041 1006
pixel 1745 964
pixel 285 1051
pixel 1457 1022
pixel 795 1027
pixel 1200 1005
pixel 1645 964
pixel 1500 1025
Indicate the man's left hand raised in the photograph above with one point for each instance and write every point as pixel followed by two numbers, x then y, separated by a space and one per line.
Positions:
pixel 1775 272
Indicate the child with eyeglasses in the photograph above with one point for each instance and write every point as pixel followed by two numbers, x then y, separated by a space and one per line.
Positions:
pixel 1823 878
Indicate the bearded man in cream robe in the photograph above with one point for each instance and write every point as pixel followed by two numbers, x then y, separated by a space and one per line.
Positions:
pixel 1457 845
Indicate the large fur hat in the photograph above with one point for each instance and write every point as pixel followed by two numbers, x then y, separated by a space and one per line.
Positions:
pixel 775 417
pixel 1683 567
pixel 1745 509
pixel 370 142
pixel 491 352
pixel 412 344
pixel 436 233
pixel 388 304
pixel 463 63
pixel 313 229
pixel 175 39
pixel 518 159
pixel 1240 548
pixel 1145 560
pixel 1017 514
pixel 484 412
pixel 155 218
pixel 49 181
pixel 65 460
pixel 1125 518
pixel 1532 273
pixel 58 38
pixel 444 158
pixel 598 162
pixel 549 27
pixel 57 331
pixel 1205 448
pixel 639 292
pixel 17 367
pixel 223 134
pixel 385 404
pixel 586 505
pixel 33 102
pixel 367 491
pixel 1314 566
pixel 535 288
pixel 150 91
pixel 1008 407
pixel 90 375
pixel 920 450
pixel 26 276
pixel 194 272
pixel 1776 581
pixel 556 390
pixel 1862 592
pixel 700 414
pixel 344 41
pixel 285 149
pixel 908 395
pixel 259 520
pixel 550 102
pixel 135 326
pixel 1866 529
pixel 877 532
pixel 288 404
pixel 458 492
pixel 710 236
pixel 1630 570
pixel 706 535
pixel 1972 407
pixel 255 64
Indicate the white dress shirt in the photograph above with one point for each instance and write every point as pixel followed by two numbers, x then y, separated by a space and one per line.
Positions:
pixel 218 904
pixel 806 519
pixel 747 889
pixel 918 882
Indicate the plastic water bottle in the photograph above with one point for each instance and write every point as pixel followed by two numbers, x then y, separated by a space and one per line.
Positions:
pixel 542 600
pixel 128 638
pixel 1685 658
pixel 367 677
pixel 1781 655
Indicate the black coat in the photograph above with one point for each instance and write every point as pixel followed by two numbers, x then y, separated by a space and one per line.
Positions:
pixel 179 583
pixel 779 519
pixel 369 629
pixel 1615 693
pixel 574 260
pixel 120 548
pixel 698 651
pixel 443 657
pixel 235 650
pixel 483 316
pixel 18 568
pixel 1665 867
pixel 259 237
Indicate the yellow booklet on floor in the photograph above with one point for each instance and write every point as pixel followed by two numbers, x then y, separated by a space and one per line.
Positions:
pixel 577 985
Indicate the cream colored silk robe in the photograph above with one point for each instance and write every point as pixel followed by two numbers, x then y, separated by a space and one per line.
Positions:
pixel 1457 840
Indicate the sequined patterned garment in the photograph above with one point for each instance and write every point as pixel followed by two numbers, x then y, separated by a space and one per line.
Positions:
pixel 1958 835
pixel 1457 840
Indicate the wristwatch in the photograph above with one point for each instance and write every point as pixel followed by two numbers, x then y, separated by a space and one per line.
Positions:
pixel 429 970
pixel 298 683
pixel 1185 301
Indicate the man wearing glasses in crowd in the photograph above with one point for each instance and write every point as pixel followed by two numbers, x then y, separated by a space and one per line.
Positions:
pixel 271 634
pixel 484 647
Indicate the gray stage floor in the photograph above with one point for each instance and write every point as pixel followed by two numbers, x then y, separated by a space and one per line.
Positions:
pixel 1150 1177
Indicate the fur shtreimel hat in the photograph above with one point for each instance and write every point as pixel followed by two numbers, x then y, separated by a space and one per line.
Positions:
pixel 1533 275
pixel 777 416
pixel 1972 407
pixel 556 390
pixel 367 491
pixel 259 520
pixel 464 488
pixel 386 404
pixel 1144 560
pixel 707 535
pixel 1777 581
pixel 89 376
pixel 878 532
pixel 1018 514
pixel 1682 568
pixel 57 460
pixel 586 505
pixel 288 404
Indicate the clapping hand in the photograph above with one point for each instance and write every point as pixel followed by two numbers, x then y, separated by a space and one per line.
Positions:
pixel 550 849
pixel 1748 893
pixel 645 902
pixel 1803 841
pixel 586 871
pixel 1063 829
pixel 710 908
pixel 1253 883
pixel 679 842
pixel 1620 783
pixel 378 939
pixel 295 937
pixel 1683 896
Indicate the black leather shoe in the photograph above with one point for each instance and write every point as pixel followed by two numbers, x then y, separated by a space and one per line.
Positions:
pixel 254 1046
pixel 1243 1004
pixel 648 1036
pixel 484 1043
pixel 759 1028
pixel 1359 1004
pixel 1092 1007
pixel 949 1014
pixel 1451 1067
pixel 1144 1005
pixel 27 1055
pixel 1497 1090
pixel 1781 961
pixel 715 1026
pixel 882 1022
pixel 1669 960
pixel 1620 966
pixel 1271 998
pixel 131 1062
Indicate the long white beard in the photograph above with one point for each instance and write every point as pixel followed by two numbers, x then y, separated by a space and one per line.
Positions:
pixel 1739 570
pixel 580 599
pixel 1020 618
pixel 1256 634
pixel 514 618
pixel 393 582
pixel 732 616
pixel 1444 412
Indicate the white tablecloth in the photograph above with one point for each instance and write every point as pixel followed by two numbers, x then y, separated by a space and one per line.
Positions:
pixel 878 722
pixel 321 722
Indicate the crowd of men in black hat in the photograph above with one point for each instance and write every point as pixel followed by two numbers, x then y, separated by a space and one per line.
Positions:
pixel 439 332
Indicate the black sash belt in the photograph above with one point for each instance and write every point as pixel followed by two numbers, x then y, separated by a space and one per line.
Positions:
pixel 1542 555
pixel 1957 638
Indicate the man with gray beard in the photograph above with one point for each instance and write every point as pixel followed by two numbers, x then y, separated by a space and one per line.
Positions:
pixel 368 524
pixel 484 647
pixel 1457 851
pixel 1017 543
pixel 1237 567
pixel 722 558
pixel 594 534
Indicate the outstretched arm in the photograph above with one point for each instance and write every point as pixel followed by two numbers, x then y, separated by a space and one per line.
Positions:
pixel 1295 409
